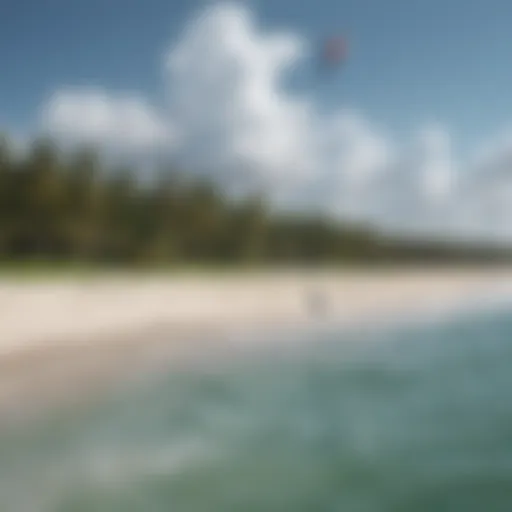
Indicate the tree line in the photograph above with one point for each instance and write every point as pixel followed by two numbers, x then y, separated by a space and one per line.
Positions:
pixel 62 206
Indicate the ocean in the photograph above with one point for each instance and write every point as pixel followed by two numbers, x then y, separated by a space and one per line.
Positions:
pixel 415 418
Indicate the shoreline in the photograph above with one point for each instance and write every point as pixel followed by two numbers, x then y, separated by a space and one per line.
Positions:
pixel 65 343
pixel 75 310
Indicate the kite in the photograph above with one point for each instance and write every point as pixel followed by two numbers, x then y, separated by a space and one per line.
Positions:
pixel 334 52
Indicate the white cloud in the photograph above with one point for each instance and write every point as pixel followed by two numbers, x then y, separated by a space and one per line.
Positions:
pixel 236 119
pixel 351 156
pixel 360 152
pixel 418 187
pixel 225 93
pixel 436 164
pixel 94 116
pixel 485 197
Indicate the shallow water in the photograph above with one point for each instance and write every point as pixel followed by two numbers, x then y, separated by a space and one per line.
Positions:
pixel 412 419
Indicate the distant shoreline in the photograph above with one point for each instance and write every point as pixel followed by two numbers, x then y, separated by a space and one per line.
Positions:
pixel 63 340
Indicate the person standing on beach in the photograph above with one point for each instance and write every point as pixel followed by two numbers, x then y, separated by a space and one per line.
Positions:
pixel 317 302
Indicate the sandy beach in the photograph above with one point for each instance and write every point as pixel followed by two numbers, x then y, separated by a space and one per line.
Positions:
pixel 67 339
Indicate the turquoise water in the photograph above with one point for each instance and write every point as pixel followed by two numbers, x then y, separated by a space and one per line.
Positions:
pixel 413 419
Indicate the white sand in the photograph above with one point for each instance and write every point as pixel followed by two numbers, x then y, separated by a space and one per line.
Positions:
pixel 87 315
pixel 80 310
pixel 75 311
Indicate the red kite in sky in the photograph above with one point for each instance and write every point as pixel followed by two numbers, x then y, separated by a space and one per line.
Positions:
pixel 334 51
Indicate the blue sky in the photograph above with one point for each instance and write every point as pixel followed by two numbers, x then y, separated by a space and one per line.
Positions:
pixel 406 133
pixel 412 60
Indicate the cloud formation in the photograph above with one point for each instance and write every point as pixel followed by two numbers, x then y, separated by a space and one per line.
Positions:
pixel 225 93
pixel 228 113
pixel 96 117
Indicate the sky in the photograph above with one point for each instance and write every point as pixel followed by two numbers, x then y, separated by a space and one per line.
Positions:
pixel 412 132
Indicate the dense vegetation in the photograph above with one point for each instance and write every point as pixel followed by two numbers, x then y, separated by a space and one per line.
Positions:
pixel 65 207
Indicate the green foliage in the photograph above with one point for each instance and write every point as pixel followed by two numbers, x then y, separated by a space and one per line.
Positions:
pixel 71 209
